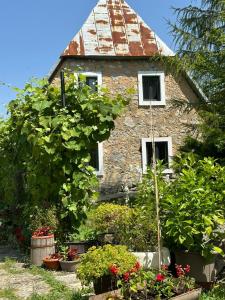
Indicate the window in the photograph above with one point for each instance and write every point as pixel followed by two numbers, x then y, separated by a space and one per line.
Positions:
pixel 93 79
pixel 97 158
pixel 151 88
pixel 163 151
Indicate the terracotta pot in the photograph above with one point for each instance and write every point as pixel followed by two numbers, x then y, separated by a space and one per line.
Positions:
pixel 51 264
pixel 104 284
pixel 69 266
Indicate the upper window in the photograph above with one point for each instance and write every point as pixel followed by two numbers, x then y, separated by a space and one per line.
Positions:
pixel 163 152
pixel 97 158
pixel 93 79
pixel 151 88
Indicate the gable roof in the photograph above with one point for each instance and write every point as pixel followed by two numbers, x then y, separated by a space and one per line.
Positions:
pixel 114 29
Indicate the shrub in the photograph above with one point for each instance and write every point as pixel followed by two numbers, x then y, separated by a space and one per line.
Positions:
pixel 97 262
pixel 132 227
pixel 193 207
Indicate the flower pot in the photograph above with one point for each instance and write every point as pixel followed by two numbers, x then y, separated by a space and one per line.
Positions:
pixel 150 259
pixel 41 247
pixel 109 295
pixel 104 284
pixel 69 266
pixel 192 295
pixel 81 246
pixel 51 264
pixel 201 269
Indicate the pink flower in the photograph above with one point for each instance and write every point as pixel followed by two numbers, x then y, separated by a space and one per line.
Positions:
pixel 160 277
pixel 165 267
pixel 187 269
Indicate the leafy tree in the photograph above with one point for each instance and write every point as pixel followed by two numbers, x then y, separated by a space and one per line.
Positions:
pixel 45 148
pixel 199 34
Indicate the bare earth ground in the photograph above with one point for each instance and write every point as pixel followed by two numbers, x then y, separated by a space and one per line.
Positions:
pixel 24 281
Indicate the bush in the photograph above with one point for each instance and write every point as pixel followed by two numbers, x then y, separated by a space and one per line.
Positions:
pixel 97 262
pixel 193 207
pixel 132 227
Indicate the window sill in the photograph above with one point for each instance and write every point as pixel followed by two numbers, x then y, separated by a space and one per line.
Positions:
pixel 152 103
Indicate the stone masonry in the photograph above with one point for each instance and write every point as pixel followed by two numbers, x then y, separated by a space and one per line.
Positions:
pixel 122 151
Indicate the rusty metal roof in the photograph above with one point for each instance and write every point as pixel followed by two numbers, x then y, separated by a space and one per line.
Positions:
pixel 114 29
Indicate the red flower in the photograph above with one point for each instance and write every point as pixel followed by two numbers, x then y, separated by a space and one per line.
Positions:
pixel 187 269
pixel 138 265
pixel 126 276
pixel 160 277
pixel 114 269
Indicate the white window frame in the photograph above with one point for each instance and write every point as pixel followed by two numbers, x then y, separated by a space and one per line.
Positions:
pixel 100 171
pixel 90 74
pixel 161 75
pixel 144 152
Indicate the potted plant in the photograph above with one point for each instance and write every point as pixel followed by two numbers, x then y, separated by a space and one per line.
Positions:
pixel 51 261
pixel 100 264
pixel 153 284
pixel 83 239
pixel 42 244
pixel 192 212
pixel 70 259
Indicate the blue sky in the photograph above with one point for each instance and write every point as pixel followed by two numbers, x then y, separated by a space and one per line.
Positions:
pixel 34 33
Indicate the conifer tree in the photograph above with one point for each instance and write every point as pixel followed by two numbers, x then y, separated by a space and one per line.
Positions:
pixel 199 34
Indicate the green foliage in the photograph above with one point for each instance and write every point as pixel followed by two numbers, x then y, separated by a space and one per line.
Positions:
pixel 85 233
pixel 45 148
pixel 40 217
pixel 96 262
pixel 200 37
pixel 217 293
pixel 132 227
pixel 107 218
pixel 151 284
pixel 193 209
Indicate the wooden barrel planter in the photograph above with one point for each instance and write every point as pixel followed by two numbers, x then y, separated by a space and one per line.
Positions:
pixel 41 246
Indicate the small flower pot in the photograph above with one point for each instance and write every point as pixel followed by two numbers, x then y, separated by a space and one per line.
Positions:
pixel 69 266
pixel 51 264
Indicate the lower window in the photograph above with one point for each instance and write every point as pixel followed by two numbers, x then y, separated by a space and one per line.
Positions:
pixel 163 152
pixel 97 159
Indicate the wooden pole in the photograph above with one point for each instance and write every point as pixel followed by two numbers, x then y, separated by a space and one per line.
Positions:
pixel 156 189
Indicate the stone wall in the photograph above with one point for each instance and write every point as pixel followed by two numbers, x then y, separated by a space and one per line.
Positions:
pixel 122 151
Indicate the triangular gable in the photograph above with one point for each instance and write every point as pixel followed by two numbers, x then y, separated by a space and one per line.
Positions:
pixel 114 29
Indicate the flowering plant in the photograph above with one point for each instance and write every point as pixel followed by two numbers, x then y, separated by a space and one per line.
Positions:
pixel 109 260
pixel 57 256
pixel 43 231
pixel 69 254
pixel 156 285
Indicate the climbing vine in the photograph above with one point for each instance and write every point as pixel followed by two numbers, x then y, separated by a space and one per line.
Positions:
pixel 45 147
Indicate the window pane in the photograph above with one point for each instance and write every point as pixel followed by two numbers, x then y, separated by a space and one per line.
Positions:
pixel 151 88
pixel 94 162
pixel 161 153
pixel 92 81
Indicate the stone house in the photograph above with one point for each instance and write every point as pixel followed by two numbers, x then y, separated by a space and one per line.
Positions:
pixel 114 48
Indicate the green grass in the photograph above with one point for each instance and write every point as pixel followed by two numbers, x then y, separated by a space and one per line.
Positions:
pixel 59 291
pixel 9 266
pixel 8 294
